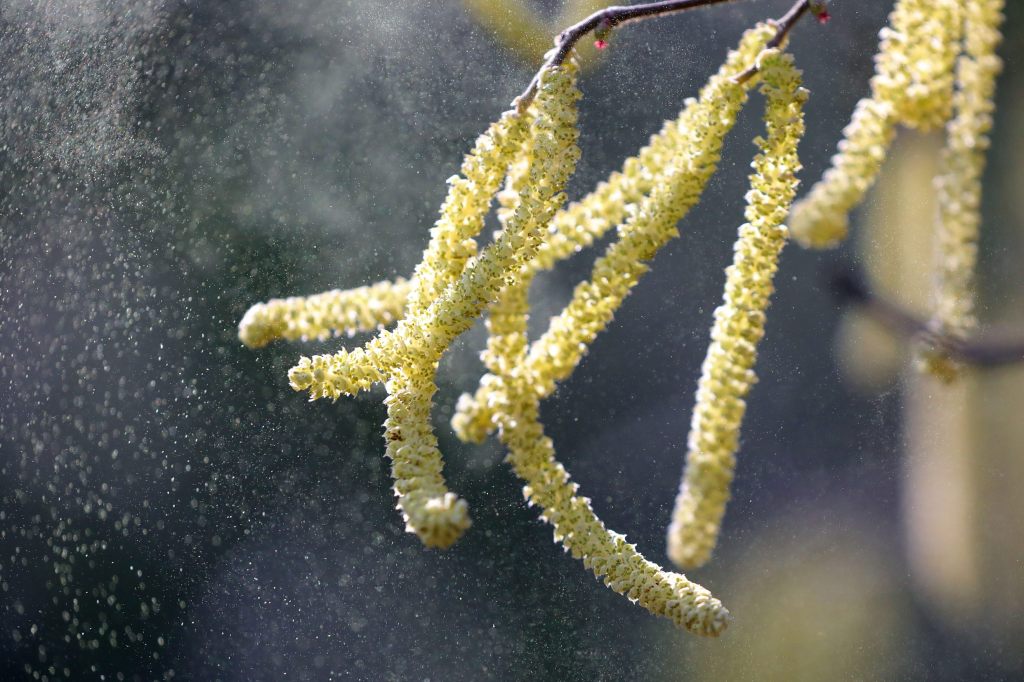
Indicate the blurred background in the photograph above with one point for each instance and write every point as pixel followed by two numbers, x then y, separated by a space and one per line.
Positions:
pixel 171 509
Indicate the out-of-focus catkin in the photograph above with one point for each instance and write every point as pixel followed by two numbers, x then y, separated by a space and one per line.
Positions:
pixel 958 184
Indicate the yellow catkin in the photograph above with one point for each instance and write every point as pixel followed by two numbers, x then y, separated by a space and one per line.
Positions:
pixel 727 373
pixel 532 455
pixel 452 241
pixel 958 185
pixel 547 483
pixel 661 184
pixel 912 85
pixel 605 552
pixel 914 66
pixel 406 358
pixel 322 316
pixel 452 244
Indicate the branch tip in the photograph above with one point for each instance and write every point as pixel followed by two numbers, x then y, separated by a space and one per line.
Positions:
pixel 783 26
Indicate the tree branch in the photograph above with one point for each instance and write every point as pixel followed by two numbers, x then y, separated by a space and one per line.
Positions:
pixel 784 26
pixel 604 20
pixel 976 352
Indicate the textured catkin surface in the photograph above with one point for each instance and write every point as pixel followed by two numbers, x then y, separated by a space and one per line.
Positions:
pixel 727 374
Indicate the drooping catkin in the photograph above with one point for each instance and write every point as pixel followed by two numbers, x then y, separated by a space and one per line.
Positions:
pixel 577 527
pixel 727 373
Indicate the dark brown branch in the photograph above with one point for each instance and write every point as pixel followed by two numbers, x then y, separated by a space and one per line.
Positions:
pixel 976 352
pixel 783 27
pixel 611 17
pixel 605 19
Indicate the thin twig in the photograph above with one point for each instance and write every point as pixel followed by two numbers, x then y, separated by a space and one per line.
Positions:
pixel 605 19
pixel 612 17
pixel 783 27
pixel 977 352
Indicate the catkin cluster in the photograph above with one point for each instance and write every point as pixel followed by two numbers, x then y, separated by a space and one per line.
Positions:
pixel 936 66
pixel 532 150
pixel 660 185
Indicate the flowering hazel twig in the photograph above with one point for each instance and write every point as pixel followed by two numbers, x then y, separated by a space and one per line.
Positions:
pixel 662 182
pixel 534 148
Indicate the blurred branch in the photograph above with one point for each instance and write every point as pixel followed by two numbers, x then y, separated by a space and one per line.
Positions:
pixel 851 288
